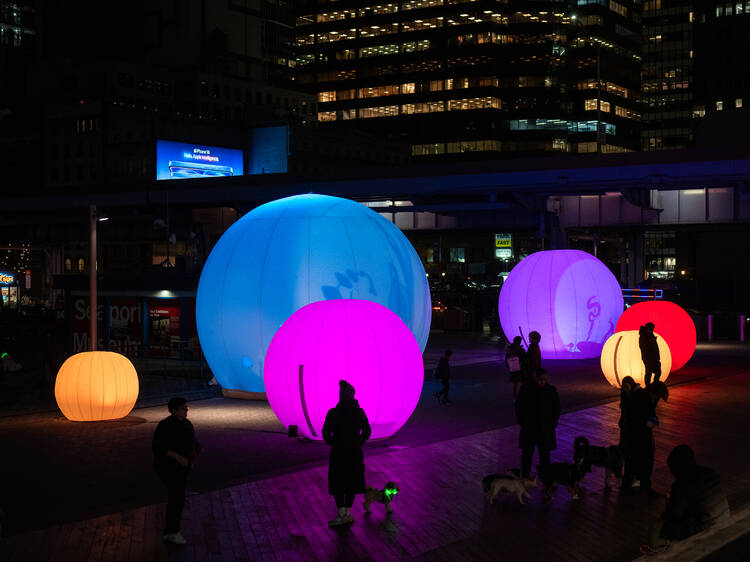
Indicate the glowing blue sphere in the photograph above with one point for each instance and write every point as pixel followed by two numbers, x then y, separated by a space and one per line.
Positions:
pixel 568 296
pixel 292 252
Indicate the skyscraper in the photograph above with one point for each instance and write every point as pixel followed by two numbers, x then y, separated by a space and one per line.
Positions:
pixel 670 114
pixel 457 77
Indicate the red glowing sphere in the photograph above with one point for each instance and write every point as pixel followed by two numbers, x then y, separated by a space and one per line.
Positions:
pixel 671 322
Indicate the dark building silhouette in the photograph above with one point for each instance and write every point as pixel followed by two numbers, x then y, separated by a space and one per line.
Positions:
pixel 485 78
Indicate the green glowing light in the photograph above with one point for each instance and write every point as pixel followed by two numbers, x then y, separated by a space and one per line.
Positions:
pixel 4 355
pixel 389 492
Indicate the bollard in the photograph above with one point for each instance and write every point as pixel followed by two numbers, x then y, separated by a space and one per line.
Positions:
pixel 743 319
pixel 710 327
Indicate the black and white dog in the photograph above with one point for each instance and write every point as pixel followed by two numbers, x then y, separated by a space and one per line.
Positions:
pixel 611 459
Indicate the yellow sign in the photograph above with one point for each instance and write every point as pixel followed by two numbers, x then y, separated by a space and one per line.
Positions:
pixel 503 241
pixel 6 279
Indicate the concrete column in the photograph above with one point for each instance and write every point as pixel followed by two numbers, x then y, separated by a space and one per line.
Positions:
pixel 710 320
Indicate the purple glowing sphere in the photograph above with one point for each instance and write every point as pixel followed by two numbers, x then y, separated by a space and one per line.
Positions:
pixel 568 296
pixel 359 341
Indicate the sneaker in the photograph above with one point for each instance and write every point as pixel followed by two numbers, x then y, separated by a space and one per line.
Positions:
pixel 338 521
pixel 648 550
pixel 175 538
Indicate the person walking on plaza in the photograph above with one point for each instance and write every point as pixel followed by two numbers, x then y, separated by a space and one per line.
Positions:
pixel 639 419
pixel 514 359
pixel 537 412
pixel 174 448
pixel 533 357
pixel 346 429
pixel 443 372
pixel 649 353
pixel 696 503
pixel 627 387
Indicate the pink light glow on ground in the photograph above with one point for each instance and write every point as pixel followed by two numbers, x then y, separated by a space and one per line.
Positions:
pixel 359 341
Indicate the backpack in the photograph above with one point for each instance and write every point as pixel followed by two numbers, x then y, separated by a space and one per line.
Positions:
pixel 514 363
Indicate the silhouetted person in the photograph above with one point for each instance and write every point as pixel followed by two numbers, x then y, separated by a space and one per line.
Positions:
pixel 444 374
pixel 533 358
pixel 514 359
pixel 174 448
pixel 649 353
pixel 696 503
pixel 346 429
pixel 639 419
pixel 537 412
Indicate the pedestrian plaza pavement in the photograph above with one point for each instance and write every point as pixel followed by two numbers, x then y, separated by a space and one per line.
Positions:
pixel 440 512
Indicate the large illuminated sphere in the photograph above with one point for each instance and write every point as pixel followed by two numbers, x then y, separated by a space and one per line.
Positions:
pixel 289 253
pixel 96 386
pixel 621 357
pixel 568 296
pixel 359 341
pixel 670 320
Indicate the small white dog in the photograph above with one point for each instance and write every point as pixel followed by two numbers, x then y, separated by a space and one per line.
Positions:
pixel 510 483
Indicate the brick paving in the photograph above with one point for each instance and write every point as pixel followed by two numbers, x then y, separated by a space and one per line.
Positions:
pixel 440 513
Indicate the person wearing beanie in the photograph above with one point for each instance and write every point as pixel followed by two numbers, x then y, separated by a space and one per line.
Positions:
pixel 346 429
pixel 697 502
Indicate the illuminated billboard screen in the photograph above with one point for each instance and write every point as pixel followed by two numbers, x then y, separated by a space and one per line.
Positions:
pixel 179 160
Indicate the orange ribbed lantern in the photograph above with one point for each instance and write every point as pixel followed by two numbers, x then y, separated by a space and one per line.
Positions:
pixel 96 386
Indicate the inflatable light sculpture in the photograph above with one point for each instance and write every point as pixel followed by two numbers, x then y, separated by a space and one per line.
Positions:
pixel 621 357
pixel 359 341
pixel 670 320
pixel 568 296
pixel 289 253
pixel 96 386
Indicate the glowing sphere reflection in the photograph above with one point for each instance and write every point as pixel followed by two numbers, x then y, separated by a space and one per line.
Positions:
pixel 568 296
pixel 359 341
pixel 671 321
pixel 289 253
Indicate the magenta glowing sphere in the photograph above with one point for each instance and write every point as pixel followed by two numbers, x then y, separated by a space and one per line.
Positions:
pixel 670 321
pixel 359 341
pixel 568 296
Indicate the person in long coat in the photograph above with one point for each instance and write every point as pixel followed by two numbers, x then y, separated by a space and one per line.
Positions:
pixel 537 412
pixel 532 360
pixel 346 429
pixel 649 353
pixel 639 419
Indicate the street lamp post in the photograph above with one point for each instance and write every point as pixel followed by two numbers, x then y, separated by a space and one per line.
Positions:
pixel 92 275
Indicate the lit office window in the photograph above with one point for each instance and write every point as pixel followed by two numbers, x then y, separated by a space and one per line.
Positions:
pixel 738 103
pixel 719 105
pixel 382 111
